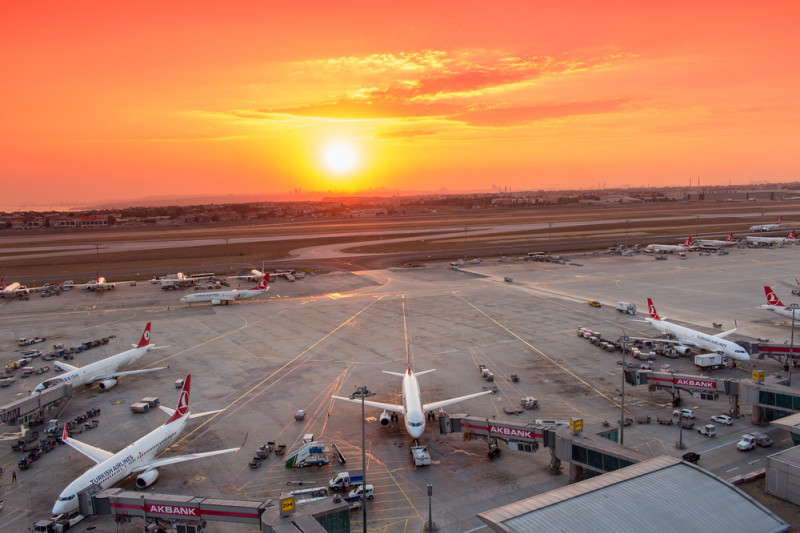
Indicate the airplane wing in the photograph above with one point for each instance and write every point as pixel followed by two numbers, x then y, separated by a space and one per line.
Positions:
pixel 128 373
pixel 444 403
pixel 64 366
pixel 725 333
pixel 668 341
pixel 97 455
pixel 179 459
pixel 385 406
pixel 171 412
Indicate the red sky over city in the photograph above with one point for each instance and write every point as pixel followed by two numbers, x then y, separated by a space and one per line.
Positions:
pixel 112 100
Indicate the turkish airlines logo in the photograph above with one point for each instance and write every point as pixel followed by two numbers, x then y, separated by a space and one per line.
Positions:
pixel 653 310
pixel 183 403
pixel 146 335
pixel 772 299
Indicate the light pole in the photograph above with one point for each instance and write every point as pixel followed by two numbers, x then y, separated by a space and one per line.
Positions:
pixel 626 233
pixel 363 391
pixel 697 227
pixel 794 307
pixel 429 525
pixel 624 341
pixel 549 238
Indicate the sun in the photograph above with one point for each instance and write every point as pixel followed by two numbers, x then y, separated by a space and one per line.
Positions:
pixel 340 157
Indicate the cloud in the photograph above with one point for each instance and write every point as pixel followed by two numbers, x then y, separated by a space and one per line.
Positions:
pixel 471 87
pixel 404 134
pixel 514 116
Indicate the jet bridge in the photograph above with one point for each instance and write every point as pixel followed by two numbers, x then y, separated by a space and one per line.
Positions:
pixel 20 410
pixel 589 452
pixel 770 401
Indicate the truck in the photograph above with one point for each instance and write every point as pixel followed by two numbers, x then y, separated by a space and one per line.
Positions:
pixel 356 493
pixel 626 307
pixel 709 430
pixel 57 524
pixel 420 455
pixel 710 361
pixel 343 481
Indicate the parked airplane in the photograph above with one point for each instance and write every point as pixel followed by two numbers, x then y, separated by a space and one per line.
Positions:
pixel 111 468
pixel 774 241
pixel 413 410
pixel 688 337
pixel 775 305
pixel 98 284
pixel 176 281
pixel 219 297
pixel 729 241
pixel 12 290
pixel 672 247
pixel 106 371
pixel 253 275
pixel 767 227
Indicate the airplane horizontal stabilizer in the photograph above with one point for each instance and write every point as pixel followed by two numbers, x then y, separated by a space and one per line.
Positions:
pixel 398 374
pixel 444 403
pixel 378 405
pixel 425 372
pixel 171 412
pixel 179 459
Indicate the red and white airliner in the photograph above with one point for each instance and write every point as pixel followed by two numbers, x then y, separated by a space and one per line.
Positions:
pixel 220 297
pixel 111 468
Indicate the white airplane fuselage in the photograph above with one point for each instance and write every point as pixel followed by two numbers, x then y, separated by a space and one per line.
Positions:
pixel 218 297
pixel 113 470
pixel 701 340
pixel 413 414
pixel 88 374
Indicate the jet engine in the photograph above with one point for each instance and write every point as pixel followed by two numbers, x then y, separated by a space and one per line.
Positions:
pixel 146 478
pixel 683 350
pixel 385 419
pixel 216 302
pixel 107 384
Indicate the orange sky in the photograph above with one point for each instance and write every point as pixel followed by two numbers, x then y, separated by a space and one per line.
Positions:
pixel 109 100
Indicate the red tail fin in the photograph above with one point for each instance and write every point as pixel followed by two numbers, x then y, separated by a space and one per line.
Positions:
pixel 772 298
pixel 64 434
pixel 791 235
pixel 780 220
pixel 730 238
pixel 3 282
pixel 688 241
pixel 262 285
pixel 183 402
pixel 652 309
pixel 145 340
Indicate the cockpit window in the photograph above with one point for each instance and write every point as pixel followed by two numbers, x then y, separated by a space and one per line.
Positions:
pixel 49 383
pixel 66 499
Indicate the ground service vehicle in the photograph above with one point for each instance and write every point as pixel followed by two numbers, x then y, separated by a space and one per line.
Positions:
pixel 684 413
pixel 625 307
pixel 594 303
pixel 763 440
pixel 722 419
pixel 420 455
pixel 343 481
pixel 709 430
pixel 356 493
pixel 710 360
pixel 747 442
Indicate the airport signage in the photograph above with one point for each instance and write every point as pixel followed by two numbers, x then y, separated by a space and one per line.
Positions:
pixel 172 509
pixel 513 432
pixel 697 383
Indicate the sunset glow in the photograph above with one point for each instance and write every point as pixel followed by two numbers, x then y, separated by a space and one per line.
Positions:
pixel 340 157
pixel 108 101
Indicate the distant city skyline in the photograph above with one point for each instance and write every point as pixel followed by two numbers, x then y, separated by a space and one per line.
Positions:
pixel 109 102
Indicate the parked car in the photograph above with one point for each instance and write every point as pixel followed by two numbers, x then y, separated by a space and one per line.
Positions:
pixel 747 442
pixel 685 413
pixel 723 419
